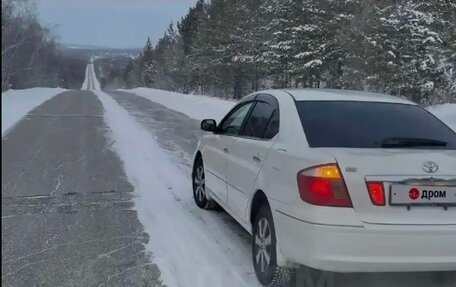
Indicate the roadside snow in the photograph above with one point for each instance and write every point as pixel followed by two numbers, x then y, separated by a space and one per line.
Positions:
pixel 188 244
pixel 196 107
pixel 447 113
pixel 85 84
pixel 17 103
pixel 95 82
pixel 90 82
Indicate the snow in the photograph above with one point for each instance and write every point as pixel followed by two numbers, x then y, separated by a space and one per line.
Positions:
pixel 196 107
pixel 313 63
pixel 85 84
pixel 90 73
pixel 191 247
pixel 305 28
pixel 304 54
pixel 17 103
pixel 95 81
pixel 428 85
pixel 445 112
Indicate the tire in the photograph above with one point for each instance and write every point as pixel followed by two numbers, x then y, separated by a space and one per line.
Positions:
pixel 199 187
pixel 264 247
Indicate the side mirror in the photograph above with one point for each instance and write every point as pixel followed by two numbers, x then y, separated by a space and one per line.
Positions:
pixel 209 125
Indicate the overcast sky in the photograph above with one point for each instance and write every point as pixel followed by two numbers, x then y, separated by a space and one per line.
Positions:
pixel 111 23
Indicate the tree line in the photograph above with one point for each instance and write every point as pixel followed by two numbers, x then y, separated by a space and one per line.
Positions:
pixel 30 53
pixel 229 48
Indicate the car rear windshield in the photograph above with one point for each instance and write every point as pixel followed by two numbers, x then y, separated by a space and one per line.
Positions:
pixel 351 124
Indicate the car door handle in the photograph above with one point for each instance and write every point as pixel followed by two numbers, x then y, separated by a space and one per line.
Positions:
pixel 256 158
pixel 225 150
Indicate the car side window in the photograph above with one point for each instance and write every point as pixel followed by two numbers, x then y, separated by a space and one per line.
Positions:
pixel 258 120
pixel 233 123
pixel 273 126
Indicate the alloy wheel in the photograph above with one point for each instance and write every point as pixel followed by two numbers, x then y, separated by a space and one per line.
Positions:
pixel 200 192
pixel 263 240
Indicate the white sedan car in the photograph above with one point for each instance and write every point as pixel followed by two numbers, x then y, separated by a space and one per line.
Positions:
pixel 335 180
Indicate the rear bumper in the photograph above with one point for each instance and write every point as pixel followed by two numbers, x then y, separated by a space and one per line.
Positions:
pixel 372 248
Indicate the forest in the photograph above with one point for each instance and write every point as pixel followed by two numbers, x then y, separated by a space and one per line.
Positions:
pixel 229 48
pixel 32 55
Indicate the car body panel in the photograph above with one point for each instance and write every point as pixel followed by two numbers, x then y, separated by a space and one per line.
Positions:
pixel 245 161
pixel 370 248
pixel 215 163
pixel 394 166
pixel 344 95
pixel 362 238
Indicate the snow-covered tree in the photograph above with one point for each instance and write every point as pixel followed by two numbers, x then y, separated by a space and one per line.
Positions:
pixel 229 48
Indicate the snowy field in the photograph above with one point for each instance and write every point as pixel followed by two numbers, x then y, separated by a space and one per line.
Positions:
pixel 17 103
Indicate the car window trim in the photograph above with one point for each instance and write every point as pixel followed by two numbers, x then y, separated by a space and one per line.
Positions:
pixel 269 121
pixel 270 100
pixel 233 110
pixel 241 130
pixel 243 126
pixel 252 99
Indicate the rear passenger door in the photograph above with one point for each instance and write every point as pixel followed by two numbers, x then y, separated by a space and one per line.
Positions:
pixel 248 152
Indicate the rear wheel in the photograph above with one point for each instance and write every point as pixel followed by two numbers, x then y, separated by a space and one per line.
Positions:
pixel 199 187
pixel 264 252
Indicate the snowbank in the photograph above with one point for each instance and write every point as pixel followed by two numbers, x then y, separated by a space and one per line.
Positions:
pixel 447 113
pixel 85 84
pixel 187 243
pixel 95 82
pixel 17 103
pixel 196 107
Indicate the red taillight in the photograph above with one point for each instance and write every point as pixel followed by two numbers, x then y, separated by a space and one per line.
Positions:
pixel 376 192
pixel 323 185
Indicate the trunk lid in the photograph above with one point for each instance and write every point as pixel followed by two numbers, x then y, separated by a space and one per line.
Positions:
pixel 396 166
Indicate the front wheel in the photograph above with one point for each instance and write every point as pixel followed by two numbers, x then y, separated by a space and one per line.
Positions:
pixel 264 252
pixel 199 187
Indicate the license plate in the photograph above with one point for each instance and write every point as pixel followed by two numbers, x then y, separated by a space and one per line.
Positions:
pixel 401 194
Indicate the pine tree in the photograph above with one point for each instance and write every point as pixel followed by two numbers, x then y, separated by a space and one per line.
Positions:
pixel 147 64
pixel 229 48
pixel 277 55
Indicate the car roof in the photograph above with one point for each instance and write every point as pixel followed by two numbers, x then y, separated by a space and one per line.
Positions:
pixel 343 95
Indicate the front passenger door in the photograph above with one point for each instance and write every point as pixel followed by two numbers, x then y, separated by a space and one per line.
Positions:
pixel 217 150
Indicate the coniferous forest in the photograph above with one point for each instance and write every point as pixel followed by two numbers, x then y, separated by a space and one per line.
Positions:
pixel 229 48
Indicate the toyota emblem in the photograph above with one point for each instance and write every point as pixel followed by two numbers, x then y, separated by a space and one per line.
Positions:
pixel 430 167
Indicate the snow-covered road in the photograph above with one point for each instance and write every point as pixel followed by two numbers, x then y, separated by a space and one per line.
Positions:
pixel 192 247
pixel 188 244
